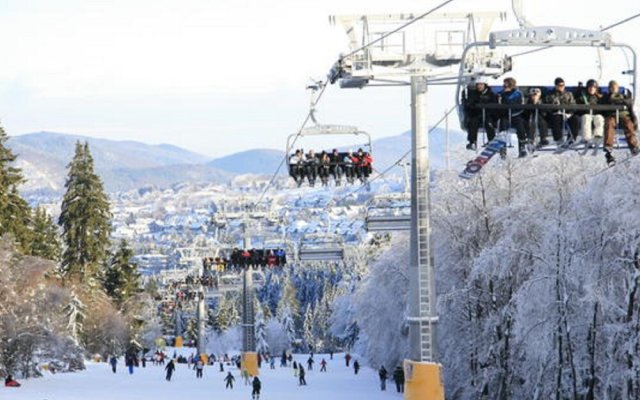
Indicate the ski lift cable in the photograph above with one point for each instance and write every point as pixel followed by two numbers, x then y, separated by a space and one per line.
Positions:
pixel 308 118
pixel 398 29
pixel 624 21
pixel 397 162
pixel 310 115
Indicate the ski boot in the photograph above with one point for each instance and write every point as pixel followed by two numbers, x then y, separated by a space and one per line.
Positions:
pixel 503 153
pixel 472 146
pixel 611 160
pixel 522 150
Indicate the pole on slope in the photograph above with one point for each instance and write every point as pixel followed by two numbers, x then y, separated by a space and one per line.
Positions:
pixel 422 373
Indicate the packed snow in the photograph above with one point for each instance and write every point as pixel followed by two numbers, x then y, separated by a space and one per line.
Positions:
pixel 97 382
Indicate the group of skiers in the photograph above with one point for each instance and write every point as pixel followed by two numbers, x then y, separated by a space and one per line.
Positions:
pixel 311 166
pixel 276 257
pixel 591 124
pixel 398 378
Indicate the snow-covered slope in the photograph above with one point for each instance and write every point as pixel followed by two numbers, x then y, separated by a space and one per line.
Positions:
pixel 99 383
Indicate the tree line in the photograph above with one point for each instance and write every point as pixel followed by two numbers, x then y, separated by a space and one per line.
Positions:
pixel 67 291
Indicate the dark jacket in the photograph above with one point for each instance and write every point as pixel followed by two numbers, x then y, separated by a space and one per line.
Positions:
pixel 257 385
pixel 559 98
pixel 474 98
pixel 398 374
pixel 170 367
pixel 587 99
pixel 382 373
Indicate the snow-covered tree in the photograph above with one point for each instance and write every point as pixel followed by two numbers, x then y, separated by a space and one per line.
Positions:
pixel 75 312
pixel 262 346
pixel 307 328
pixel 288 325
pixel 85 220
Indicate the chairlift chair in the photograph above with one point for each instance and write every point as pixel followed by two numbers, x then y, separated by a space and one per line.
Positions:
pixel 389 212
pixel 321 247
pixel 328 130
pixel 540 36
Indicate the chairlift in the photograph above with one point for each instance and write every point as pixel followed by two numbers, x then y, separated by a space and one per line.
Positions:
pixel 539 36
pixel 337 167
pixel 321 247
pixel 389 212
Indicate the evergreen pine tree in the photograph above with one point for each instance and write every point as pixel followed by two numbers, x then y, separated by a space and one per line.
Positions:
pixel 85 220
pixel 15 213
pixel 46 242
pixel 75 311
pixel 122 280
pixel 288 300
pixel 288 325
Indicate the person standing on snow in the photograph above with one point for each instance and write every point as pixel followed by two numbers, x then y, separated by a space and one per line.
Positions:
pixel 114 363
pixel 199 368
pixel 310 363
pixel 129 362
pixel 257 385
pixel 246 376
pixel 398 378
pixel 170 368
pixel 347 358
pixel 383 374
pixel 301 373
pixel 356 367
pixel 229 380
pixel 323 365
pixel 295 368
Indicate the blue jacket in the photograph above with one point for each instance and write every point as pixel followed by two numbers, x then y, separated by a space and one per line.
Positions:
pixel 512 97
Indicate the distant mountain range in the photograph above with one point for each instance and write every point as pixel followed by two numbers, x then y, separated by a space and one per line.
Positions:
pixel 127 165
pixel 123 165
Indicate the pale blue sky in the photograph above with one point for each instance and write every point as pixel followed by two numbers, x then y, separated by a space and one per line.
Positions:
pixel 208 75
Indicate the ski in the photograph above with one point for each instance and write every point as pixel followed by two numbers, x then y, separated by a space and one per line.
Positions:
pixel 474 166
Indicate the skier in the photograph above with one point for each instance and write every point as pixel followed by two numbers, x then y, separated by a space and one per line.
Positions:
pixel 383 374
pixel 331 355
pixel 229 379
pixel 295 368
pixel 323 365
pixel 398 378
pixel 129 363
pixel 199 368
pixel 272 363
pixel 114 363
pixel 347 358
pixel 170 368
pixel 310 363
pixel 301 380
pixel 257 385
pixel 221 366
pixel 356 367
pixel 246 376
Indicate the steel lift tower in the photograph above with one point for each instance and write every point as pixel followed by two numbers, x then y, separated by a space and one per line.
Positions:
pixel 419 55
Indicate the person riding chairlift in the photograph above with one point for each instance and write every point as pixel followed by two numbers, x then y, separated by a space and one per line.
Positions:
pixel 348 164
pixel 325 168
pixel 336 169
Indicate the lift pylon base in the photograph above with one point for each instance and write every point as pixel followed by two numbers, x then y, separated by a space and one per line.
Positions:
pixel 423 381
pixel 249 362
